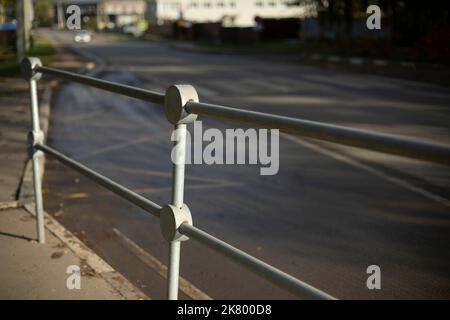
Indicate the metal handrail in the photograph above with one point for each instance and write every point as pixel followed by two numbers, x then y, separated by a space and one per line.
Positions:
pixel 374 141
pixel 181 105
pixel 381 142
pixel 272 274
pixel 118 189
pixel 110 86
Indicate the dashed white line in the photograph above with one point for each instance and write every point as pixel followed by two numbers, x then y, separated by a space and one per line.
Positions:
pixel 268 85
pixel 206 92
pixel 185 286
pixel 368 169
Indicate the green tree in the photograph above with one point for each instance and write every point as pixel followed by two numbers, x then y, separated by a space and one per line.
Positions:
pixel 43 12
pixel 7 9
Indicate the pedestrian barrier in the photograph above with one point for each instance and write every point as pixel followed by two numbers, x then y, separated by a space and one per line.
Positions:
pixel 182 106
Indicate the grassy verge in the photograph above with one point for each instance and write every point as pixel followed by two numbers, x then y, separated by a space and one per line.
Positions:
pixel 9 67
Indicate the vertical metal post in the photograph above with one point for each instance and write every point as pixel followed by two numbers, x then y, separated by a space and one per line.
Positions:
pixel 175 100
pixel 177 201
pixel 36 156
pixel 173 270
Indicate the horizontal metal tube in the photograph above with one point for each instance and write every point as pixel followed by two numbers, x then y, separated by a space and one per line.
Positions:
pixel 274 275
pixel 121 191
pixel 386 143
pixel 123 89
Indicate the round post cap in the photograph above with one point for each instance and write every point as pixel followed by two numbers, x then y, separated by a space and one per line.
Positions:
pixel 175 101
pixel 171 219
pixel 28 66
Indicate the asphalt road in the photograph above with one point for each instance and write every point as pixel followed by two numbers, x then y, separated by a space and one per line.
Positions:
pixel 326 216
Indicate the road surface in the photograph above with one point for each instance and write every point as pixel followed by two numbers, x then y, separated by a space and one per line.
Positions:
pixel 327 215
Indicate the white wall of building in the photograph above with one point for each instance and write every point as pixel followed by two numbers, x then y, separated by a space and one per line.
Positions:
pixel 160 11
pixel 125 11
pixel 239 13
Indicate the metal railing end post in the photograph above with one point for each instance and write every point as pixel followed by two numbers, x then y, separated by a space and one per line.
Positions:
pixel 28 68
pixel 36 136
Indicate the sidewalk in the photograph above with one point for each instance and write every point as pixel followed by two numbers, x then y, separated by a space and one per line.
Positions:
pixel 32 271
pixel 29 270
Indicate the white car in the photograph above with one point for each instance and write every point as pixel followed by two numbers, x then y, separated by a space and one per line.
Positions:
pixel 133 30
pixel 82 37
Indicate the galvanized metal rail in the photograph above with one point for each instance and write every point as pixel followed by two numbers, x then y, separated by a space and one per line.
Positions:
pixel 375 141
pixel 118 189
pixel 122 89
pixel 181 106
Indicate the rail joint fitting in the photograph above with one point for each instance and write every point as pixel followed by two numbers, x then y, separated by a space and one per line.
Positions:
pixel 34 138
pixel 176 98
pixel 171 218
pixel 28 66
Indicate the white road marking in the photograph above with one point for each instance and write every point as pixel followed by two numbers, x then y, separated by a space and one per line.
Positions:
pixel 119 146
pixel 344 81
pixel 232 87
pixel 267 85
pixel 188 288
pixel 140 172
pixel 207 186
pixel 205 92
pixel 368 169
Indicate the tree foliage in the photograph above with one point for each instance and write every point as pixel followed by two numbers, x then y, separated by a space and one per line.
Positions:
pixel 407 20
pixel 9 8
pixel 43 12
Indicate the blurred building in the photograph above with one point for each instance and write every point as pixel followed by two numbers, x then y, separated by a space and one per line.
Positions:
pixel 88 10
pixel 119 13
pixel 106 13
pixel 87 7
pixel 233 13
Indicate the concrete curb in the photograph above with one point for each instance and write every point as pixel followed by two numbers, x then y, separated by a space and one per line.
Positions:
pixel 26 199
pixel 116 280
pixel 6 205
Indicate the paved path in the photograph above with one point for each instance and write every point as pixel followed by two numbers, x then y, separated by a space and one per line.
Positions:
pixel 29 270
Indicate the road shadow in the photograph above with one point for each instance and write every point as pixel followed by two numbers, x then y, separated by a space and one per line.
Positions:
pixel 22 237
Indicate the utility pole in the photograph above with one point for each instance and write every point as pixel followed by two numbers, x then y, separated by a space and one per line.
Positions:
pixel 99 14
pixel 60 14
pixel 24 11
